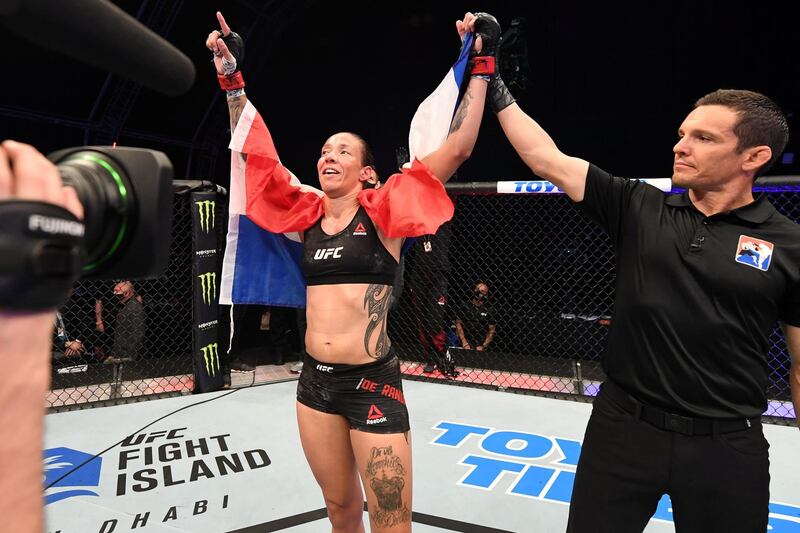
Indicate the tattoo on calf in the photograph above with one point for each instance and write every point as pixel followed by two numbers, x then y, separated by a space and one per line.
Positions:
pixel 386 476
pixel 376 302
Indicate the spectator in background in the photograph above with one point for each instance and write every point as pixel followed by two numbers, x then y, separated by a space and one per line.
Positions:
pixel 78 320
pixel 129 328
pixel 105 309
pixel 63 345
pixel 475 324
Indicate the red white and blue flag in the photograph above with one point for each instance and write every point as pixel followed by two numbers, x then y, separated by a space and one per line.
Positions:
pixel 269 207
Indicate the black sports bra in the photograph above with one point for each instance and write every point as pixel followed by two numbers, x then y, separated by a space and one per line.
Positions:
pixel 354 255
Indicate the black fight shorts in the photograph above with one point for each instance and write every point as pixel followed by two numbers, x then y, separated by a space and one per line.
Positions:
pixel 369 396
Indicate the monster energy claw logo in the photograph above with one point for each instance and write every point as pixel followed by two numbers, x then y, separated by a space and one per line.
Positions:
pixel 211 358
pixel 208 282
pixel 206 209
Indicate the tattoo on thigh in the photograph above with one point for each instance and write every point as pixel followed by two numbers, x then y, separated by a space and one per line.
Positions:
pixel 376 302
pixel 386 478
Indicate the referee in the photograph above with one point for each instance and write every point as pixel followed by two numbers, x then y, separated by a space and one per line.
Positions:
pixel 702 277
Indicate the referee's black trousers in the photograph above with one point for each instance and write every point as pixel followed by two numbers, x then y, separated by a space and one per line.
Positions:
pixel 717 482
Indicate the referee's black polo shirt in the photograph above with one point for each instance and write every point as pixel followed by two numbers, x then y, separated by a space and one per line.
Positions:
pixel 696 296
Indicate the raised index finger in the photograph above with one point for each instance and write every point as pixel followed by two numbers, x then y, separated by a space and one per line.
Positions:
pixel 226 30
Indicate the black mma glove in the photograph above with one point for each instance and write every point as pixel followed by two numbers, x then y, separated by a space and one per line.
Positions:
pixel 498 94
pixel 484 63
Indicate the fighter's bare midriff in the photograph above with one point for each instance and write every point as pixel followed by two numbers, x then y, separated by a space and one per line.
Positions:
pixel 347 322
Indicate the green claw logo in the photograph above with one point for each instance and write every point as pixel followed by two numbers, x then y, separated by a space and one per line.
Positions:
pixel 206 209
pixel 208 282
pixel 211 358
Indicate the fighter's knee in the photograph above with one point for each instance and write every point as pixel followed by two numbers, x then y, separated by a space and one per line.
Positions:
pixel 345 516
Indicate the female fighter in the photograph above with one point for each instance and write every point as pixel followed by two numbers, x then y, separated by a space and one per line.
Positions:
pixel 351 410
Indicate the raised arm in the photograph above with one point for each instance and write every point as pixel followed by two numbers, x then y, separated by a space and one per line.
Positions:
pixel 792 334
pixel 226 63
pixel 467 120
pixel 463 133
pixel 536 148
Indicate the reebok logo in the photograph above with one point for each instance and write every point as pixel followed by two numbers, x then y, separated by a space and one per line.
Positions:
pixel 375 416
pixel 360 229
pixel 325 253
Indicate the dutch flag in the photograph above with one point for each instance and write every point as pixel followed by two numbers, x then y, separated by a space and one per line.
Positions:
pixel 263 267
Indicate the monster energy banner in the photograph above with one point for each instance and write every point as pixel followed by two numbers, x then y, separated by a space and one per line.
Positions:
pixel 205 270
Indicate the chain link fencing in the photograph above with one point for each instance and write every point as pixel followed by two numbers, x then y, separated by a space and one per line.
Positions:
pixel 134 348
pixel 551 274
pixel 549 270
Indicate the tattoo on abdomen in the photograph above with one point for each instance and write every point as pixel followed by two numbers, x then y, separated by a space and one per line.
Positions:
pixel 387 477
pixel 376 302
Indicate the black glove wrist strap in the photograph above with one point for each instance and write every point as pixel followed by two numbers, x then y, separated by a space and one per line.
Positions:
pixel 498 95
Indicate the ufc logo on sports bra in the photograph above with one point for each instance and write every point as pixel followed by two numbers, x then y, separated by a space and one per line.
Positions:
pixel 325 253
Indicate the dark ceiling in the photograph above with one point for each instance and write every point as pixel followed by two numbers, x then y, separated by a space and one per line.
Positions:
pixel 610 82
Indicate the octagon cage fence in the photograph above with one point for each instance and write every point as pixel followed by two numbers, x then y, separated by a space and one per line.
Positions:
pixel 549 270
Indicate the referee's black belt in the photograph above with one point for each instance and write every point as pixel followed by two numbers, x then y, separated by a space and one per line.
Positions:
pixel 671 421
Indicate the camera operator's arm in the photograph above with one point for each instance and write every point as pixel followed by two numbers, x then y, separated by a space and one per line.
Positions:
pixel 25 344
pixel 227 65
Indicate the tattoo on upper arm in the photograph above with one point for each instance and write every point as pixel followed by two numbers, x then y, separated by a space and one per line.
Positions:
pixel 236 107
pixel 376 302
pixel 461 112
pixel 386 476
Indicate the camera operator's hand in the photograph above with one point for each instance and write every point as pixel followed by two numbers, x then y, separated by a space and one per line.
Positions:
pixel 25 174
pixel 25 345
